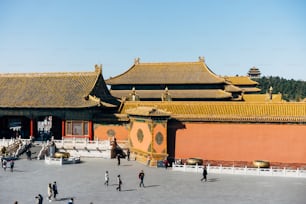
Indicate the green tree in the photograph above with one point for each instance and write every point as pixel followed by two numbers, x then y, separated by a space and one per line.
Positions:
pixel 292 90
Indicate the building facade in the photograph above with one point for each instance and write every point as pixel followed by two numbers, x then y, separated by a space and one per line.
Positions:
pixel 71 102
pixel 174 110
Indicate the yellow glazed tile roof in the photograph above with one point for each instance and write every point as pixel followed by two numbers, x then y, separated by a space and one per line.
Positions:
pixel 262 98
pixel 240 80
pixel 54 90
pixel 232 88
pixel 228 111
pixel 167 73
pixel 250 89
pixel 147 111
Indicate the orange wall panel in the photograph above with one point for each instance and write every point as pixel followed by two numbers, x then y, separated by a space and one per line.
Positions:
pixel 101 132
pixel 242 142
pixel 160 148
pixel 147 136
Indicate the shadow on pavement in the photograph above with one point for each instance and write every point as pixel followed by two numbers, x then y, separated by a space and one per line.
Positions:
pixel 150 186
pixel 213 180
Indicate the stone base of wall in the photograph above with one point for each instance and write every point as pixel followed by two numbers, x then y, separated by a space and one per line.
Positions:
pixel 249 164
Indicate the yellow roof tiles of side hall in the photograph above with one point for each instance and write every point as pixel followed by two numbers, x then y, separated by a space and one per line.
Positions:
pixel 262 98
pixel 260 111
pixel 54 90
pixel 240 80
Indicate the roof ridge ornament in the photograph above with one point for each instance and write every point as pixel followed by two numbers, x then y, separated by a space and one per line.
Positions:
pixel 133 96
pixel 98 68
pixel 201 59
pixel 137 60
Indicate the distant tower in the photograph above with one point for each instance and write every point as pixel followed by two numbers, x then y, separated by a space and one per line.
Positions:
pixel 254 73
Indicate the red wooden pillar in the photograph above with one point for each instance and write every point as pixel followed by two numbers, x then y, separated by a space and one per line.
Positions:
pixel 63 128
pixel 90 127
pixel 32 127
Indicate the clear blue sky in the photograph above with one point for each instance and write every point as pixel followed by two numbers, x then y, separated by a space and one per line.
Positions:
pixel 232 35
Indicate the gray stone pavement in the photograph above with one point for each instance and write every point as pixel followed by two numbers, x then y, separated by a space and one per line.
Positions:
pixel 85 183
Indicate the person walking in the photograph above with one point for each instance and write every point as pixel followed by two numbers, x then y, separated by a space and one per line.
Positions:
pixel 119 183
pixel 12 164
pixel 166 163
pixel 204 173
pixel 29 154
pixel 54 189
pixel 49 192
pixel 118 159
pixel 128 154
pixel 106 177
pixel 141 177
pixel 148 160
pixel 39 199
pixel 4 164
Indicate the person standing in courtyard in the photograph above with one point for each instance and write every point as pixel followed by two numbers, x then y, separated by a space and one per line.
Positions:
pixel 128 154
pixel 166 163
pixel 204 173
pixel 141 177
pixel 118 159
pixel 119 183
pixel 106 177
pixel 29 154
pixel 12 164
pixel 4 164
pixel 50 192
pixel 39 199
pixel 148 160
pixel 54 189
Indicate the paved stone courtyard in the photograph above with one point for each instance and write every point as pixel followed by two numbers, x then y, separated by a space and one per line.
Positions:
pixel 85 183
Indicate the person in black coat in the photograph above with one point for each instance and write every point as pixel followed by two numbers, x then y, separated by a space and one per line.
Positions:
pixel 204 174
pixel 141 177
pixel 54 189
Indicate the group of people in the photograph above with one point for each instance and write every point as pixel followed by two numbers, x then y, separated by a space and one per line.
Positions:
pixel 52 191
pixel 119 181
pixel 106 177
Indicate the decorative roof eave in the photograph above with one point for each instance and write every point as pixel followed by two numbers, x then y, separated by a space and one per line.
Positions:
pixel 99 102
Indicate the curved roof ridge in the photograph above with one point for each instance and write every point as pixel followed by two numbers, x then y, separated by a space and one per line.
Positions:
pixel 167 73
pixel 122 74
pixel 212 73
pixel 98 72
pixel 46 74
pixel 160 63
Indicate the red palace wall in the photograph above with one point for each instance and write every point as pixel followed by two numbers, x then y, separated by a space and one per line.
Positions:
pixel 284 143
